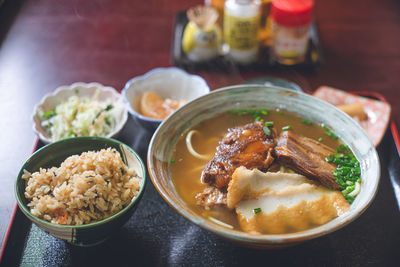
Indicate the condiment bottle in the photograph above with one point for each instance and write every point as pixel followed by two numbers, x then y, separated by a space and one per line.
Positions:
pixel 201 39
pixel 290 29
pixel 241 22
pixel 265 30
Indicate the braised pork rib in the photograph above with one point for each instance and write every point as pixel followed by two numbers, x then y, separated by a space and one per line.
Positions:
pixel 247 146
pixel 306 156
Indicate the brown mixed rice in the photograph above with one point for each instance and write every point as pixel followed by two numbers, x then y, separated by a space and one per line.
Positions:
pixel 86 188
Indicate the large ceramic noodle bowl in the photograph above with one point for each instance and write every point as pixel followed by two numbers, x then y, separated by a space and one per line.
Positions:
pixel 264 166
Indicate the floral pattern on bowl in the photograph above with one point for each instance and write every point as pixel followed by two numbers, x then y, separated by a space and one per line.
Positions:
pixel 378 112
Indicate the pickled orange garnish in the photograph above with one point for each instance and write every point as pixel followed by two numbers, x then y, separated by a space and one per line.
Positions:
pixel 153 106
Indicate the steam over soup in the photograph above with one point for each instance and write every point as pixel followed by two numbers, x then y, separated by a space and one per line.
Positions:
pixel 264 172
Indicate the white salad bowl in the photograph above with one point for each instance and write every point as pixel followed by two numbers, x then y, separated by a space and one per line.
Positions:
pixel 62 93
pixel 170 82
pixel 163 142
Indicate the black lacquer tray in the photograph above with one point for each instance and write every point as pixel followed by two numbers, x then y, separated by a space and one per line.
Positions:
pixel 158 236
pixel 313 58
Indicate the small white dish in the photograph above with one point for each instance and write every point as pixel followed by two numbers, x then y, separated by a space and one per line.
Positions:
pixel 62 93
pixel 170 82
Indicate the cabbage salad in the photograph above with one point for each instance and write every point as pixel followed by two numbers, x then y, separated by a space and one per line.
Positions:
pixel 81 116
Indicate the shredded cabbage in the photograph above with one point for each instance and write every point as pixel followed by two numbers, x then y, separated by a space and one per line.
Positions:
pixel 81 116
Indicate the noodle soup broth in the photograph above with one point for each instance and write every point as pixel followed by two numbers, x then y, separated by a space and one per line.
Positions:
pixel 185 169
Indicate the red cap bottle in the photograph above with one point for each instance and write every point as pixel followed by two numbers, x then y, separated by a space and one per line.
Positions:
pixel 291 22
pixel 292 13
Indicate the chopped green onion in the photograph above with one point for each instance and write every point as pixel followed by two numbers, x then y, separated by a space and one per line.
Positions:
pixel 325 127
pixel 343 149
pixel 96 117
pixel 109 107
pixel 329 132
pixel 48 114
pixel 350 199
pixel 172 161
pixel 334 136
pixel 347 173
pixel 107 120
pixel 257 210
pixel 308 122
pixel 269 123
pixel 256 113
pixel 286 128
pixel 76 91
pixel 320 139
pixel 266 130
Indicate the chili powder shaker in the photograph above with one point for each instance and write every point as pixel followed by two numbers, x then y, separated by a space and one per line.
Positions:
pixel 291 21
pixel 241 23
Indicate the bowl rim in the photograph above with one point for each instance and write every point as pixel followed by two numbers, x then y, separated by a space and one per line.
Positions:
pixel 147 75
pixel 33 218
pixel 72 87
pixel 239 236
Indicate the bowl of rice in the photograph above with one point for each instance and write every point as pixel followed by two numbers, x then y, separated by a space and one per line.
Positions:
pixel 81 189
pixel 79 109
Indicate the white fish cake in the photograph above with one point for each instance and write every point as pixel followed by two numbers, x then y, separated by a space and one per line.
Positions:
pixel 286 202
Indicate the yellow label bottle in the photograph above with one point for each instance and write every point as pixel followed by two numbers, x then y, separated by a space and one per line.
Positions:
pixel 241 22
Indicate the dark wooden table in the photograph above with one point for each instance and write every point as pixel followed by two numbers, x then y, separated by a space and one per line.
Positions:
pixel 47 43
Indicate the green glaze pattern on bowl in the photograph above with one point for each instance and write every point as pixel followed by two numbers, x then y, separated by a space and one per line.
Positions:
pixel 165 138
pixel 53 155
